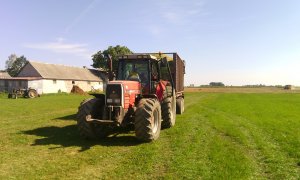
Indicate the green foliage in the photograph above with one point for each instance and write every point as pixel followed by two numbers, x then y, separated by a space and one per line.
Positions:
pixel 14 64
pixel 100 60
pixel 217 84
pixel 11 59
pixel 220 136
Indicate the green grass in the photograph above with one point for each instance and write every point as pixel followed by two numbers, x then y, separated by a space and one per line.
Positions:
pixel 220 136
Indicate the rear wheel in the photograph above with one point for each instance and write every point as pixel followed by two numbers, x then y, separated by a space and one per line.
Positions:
pixel 32 93
pixel 91 108
pixel 179 105
pixel 169 111
pixel 148 120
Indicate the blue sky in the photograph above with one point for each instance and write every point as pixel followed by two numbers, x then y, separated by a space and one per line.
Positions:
pixel 235 42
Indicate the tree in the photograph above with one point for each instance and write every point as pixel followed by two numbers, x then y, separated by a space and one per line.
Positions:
pixel 14 64
pixel 100 60
pixel 219 84
pixel 11 59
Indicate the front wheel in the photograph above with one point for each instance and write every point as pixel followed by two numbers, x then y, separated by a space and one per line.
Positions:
pixel 148 120
pixel 91 108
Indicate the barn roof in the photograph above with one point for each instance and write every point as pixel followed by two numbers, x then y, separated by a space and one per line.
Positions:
pixel 4 75
pixel 55 71
pixel 23 78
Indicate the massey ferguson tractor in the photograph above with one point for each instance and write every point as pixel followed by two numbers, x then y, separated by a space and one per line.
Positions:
pixel 145 95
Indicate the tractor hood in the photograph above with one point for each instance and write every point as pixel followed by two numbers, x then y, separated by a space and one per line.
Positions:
pixel 126 91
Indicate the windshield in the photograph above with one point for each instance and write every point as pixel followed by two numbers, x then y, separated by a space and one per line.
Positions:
pixel 134 70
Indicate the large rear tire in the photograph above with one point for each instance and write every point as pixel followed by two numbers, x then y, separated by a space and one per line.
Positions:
pixel 180 105
pixel 169 111
pixel 91 108
pixel 32 93
pixel 147 120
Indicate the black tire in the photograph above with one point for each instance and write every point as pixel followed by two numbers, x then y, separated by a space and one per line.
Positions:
pixel 32 93
pixel 147 120
pixel 94 108
pixel 168 109
pixel 9 96
pixel 14 96
pixel 180 105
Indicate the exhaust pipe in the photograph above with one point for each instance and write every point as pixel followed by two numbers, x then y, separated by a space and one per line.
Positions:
pixel 111 74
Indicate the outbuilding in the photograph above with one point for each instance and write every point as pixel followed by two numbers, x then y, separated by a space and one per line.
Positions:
pixel 53 78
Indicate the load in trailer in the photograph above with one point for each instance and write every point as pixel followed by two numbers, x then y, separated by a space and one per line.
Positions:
pixel 147 93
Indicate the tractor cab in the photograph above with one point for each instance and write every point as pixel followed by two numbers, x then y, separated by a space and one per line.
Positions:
pixel 141 68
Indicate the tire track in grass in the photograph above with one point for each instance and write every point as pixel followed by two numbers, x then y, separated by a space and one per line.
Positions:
pixel 187 142
pixel 266 153
pixel 184 152
pixel 190 160
pixel 236 140
pixel 200 152
pixel 152 160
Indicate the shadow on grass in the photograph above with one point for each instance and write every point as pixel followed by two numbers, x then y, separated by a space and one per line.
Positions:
pixel 68 117
pixel 68 136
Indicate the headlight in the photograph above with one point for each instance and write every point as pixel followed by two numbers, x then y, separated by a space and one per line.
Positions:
pixel 109 100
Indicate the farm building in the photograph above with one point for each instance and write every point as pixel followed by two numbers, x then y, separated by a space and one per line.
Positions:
pixel 53 78
pixel 4 74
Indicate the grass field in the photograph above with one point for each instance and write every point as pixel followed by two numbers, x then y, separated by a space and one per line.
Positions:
pixel 220 136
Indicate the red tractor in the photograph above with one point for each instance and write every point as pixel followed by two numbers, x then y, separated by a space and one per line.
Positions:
pixel 147 93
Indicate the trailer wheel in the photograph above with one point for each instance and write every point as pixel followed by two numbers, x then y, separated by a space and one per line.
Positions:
pixel 91 107
pixel 169 111
pixel 147 120
pixel 180 105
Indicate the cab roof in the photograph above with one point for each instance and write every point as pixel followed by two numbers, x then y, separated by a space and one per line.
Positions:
pixel 138 56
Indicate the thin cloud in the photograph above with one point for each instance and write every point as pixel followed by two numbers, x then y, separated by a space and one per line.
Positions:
pixel 155 30
pixel 172 17
pixel 176 13
pixel 181 12
pixel 80 16
pixel 59 46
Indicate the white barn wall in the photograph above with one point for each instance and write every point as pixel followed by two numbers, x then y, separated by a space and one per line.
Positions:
pixel 88 86
pixel 48 86
pixel 36 84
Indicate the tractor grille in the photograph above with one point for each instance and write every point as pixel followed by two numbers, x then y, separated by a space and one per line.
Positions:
pixel 114 94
